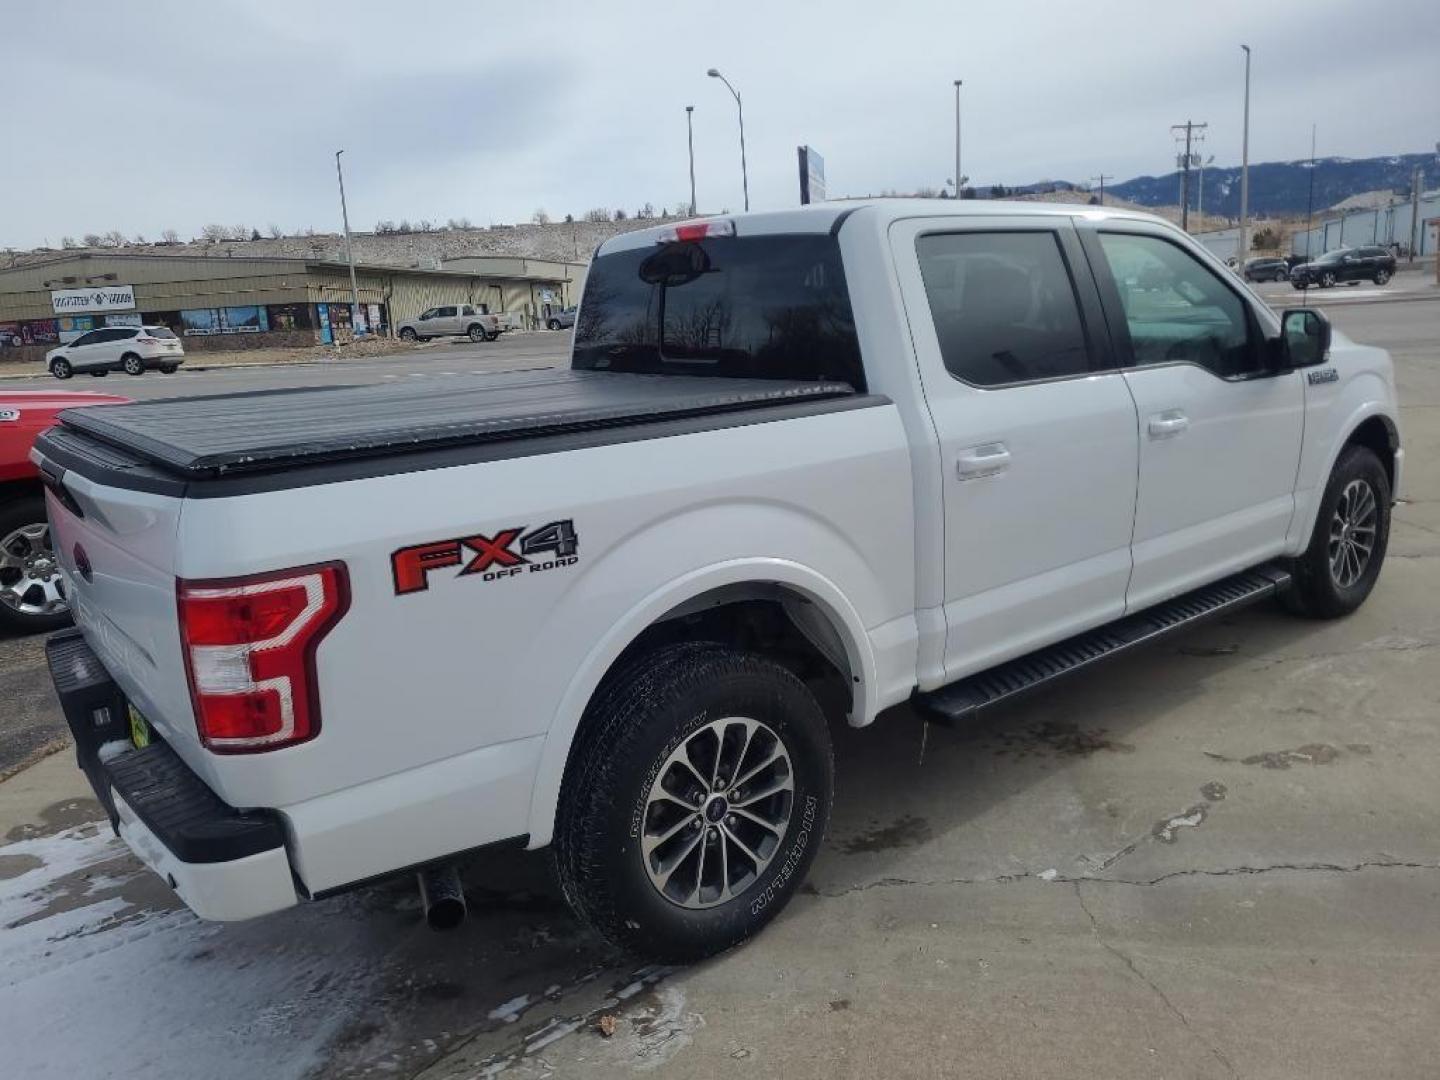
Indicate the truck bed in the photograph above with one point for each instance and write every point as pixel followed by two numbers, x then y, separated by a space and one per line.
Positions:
pixel 210 437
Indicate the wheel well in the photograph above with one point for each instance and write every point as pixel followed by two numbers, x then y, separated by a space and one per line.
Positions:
pixel 768 619
pixel 1377 434
pixel 11 490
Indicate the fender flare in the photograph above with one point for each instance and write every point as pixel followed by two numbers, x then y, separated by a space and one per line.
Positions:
pixel 815 587
pixel 1366 410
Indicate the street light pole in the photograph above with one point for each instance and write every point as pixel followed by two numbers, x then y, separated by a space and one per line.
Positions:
pixel 355 316
pixel 959 176
pixel 1245 169
pixel 690 132
pixel 714 73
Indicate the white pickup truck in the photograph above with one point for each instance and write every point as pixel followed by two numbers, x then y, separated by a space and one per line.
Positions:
pixel 855 455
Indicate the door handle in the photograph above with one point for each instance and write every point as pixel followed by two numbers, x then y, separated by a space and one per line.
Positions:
pixel 987 459
pixel 1167 424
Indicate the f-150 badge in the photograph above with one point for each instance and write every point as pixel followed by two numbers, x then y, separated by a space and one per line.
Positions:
pixel 490 557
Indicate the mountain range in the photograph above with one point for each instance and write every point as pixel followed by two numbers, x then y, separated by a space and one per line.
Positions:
pixel 1277 188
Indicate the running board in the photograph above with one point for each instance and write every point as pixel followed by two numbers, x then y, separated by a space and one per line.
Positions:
pixel 966 698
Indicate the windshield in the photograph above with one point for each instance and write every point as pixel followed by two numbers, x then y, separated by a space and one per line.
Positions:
pixel 1333 256
pixel 773 307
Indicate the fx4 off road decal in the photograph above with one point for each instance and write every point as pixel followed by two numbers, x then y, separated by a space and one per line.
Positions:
pixel 505 554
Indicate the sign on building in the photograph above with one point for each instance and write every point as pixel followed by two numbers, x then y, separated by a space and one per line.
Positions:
pixel 105 298
pixel 812 176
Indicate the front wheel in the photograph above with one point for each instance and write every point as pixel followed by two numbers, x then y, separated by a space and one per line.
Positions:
pixel 1382 276
pixel 132 364
pixel 553 324
pixel 1327 279
pixel 31 597
pixel 696 797
pixel 60 368
pixel 1352 530
pixel 408 334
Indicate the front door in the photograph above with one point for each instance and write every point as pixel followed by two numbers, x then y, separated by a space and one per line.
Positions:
pixel 1036 431
pixel 1219 431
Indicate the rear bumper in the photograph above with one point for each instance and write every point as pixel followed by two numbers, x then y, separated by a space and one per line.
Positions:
pixel 226 864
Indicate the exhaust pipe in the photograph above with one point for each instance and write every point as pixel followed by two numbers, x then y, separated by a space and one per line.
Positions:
pixel 442 896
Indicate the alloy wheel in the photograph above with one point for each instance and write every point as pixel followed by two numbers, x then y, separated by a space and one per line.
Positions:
pixel 29 575
pixel 717 812
pixel 1352 533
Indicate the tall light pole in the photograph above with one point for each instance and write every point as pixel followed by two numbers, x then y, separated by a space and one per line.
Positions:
pixel 714 73
pixel 959 176
pixel 1245 169
pixel 690 132
pixel 355 318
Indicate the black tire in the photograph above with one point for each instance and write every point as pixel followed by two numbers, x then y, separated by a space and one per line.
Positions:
pixel 657 706
pixel 1299 285
pixel 100 373
pixel 1382 276
pixel 15 515
pixel 407 334
pixel 553 324
pixel 1327 279
pixel 477 334
pixel 492 335
pixel 1282 275
pixel 170 369
pixel 132 364
pixel 1317 592
pixel 60 368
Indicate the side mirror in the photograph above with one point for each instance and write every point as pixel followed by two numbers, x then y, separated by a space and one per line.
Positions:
pixel 1304 338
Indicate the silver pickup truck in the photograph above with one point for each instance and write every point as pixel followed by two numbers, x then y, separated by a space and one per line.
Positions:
pixel 469 320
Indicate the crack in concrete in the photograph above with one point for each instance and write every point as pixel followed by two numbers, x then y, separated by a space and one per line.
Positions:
pixel 1131 966
pixel 1232 871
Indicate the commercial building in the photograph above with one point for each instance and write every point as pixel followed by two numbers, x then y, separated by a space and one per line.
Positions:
pixel 1394 225
pixel 239 302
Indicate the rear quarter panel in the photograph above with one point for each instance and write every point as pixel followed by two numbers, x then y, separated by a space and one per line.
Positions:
pixel 467 663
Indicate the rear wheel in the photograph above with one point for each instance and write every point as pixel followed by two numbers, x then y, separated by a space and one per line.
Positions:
pixel 553 324
pixel 1352 530
pixel 696 797
pixel 60 368
pixel 492 335
pixel 31 598
pixel 170 369
pixel 132 364
pixel 477 334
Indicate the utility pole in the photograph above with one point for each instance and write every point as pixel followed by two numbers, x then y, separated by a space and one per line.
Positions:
pixel 690 132
pixel 1245 169
pixel 1310 199
pixel 959 176
pixel 1102 178
pixel 1200 198
pixel 1416 178
pixel 356 318
pixel 1189 127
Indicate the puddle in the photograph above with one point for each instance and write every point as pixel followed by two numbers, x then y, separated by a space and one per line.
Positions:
pixel 906 831
pixel 1060 737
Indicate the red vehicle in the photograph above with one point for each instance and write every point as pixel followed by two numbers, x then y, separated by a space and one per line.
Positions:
pixel 31 595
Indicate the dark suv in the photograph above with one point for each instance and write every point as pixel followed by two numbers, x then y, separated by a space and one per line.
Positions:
pixel 1373 263
pixel 1267 269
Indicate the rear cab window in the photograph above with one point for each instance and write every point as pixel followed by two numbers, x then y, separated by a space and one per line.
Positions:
pixel 767 306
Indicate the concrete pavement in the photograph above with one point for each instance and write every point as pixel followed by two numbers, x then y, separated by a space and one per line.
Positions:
pixel 1214 858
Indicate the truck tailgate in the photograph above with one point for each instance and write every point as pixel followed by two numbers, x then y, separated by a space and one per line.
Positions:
pixel 117 551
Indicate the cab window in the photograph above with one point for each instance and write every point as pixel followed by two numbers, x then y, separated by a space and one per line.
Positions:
pixel 1176 309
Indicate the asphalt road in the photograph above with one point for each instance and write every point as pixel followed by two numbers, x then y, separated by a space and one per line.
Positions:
pixel 1214 858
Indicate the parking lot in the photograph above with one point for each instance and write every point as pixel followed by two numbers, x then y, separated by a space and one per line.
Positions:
pixel 1215 857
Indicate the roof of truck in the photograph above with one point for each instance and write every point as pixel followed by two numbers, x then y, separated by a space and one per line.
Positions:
pixel 822 217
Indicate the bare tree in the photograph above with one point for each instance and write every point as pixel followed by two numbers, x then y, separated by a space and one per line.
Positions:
pixel 425 225
pixel 275 231
pixel 214 233
pixel 68 243
pixel 647 211
pixel 599 213
pixel 140 238
pixel 620 214
pixel 170 236
pixel 540 217
pixel 405 226
pixel 92 239
pixel 240 232
pixel 114 238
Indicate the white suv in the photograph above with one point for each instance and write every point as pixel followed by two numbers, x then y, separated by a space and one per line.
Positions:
pixel 131 349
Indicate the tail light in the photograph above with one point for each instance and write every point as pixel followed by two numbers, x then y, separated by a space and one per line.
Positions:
pixel 148 340
pixel 696 230
pixel 250 654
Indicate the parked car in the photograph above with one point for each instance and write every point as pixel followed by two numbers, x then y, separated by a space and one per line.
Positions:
pixel 562 319
pixel 452 320
pixel 32 596
pixel 1374 263
pixel 805 466
pixel 1267 269
pixel 131 349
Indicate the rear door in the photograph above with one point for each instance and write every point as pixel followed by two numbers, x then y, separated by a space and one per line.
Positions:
pixel 1036 430
pixel 1219 431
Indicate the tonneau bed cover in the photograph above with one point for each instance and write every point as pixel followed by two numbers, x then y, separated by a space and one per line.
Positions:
pixel 209 437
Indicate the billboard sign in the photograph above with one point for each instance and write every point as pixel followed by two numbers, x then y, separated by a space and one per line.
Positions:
pixel 106 298
pixel 812 176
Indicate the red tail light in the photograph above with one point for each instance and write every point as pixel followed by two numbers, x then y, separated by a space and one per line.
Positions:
pixel 250 654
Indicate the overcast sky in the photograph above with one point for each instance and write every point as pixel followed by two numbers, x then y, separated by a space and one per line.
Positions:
pixel 158 114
